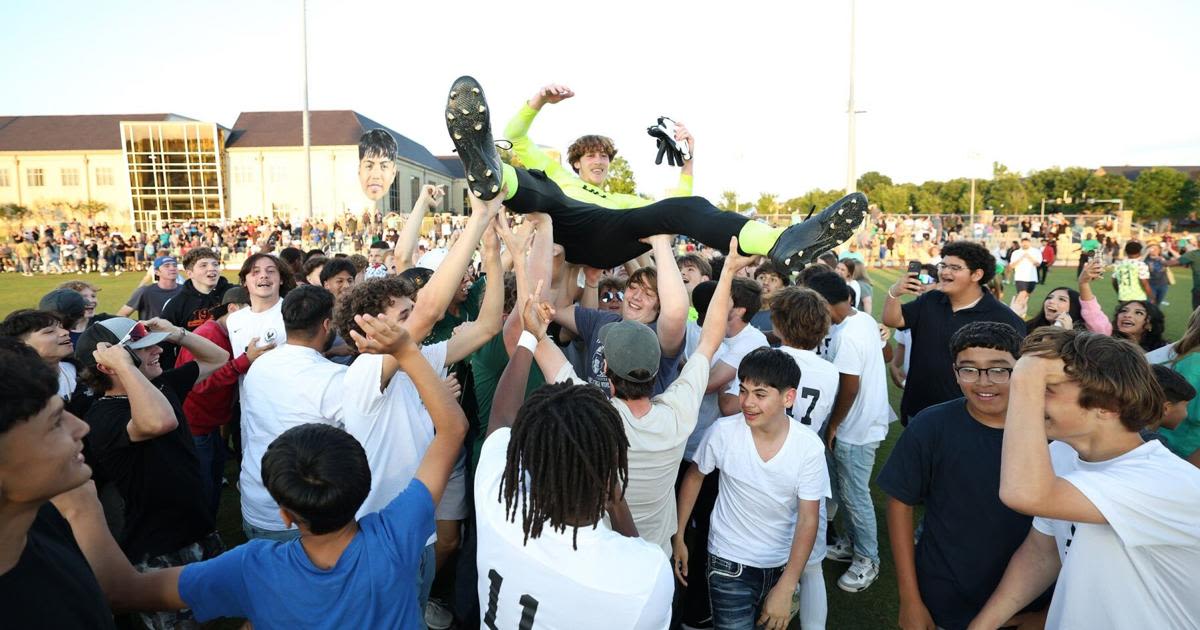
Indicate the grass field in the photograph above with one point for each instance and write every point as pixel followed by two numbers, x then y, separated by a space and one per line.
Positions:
pixel 874 608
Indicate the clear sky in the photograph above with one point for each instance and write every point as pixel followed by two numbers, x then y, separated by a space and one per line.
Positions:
pixel 948 86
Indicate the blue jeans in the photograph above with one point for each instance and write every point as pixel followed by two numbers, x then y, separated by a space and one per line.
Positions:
pixel 210 449
pixel 737 592
pixel 1159 292
pixel 254 533
pixel 851 479
pixel 425 573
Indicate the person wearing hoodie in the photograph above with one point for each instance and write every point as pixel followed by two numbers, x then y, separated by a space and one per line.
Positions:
pixel 198 297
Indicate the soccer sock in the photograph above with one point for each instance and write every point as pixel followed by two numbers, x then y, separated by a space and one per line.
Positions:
pixel 509 179
pixel 757 237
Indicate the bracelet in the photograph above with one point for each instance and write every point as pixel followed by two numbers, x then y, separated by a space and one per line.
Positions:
pixel 894 297
pixel 591 286
pixel 527 341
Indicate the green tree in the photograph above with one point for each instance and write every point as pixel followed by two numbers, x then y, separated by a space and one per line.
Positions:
pixel 927 199
pixel 894 199
pixel 1006 193
pixel 14 213
pixel 871 181
pixel 767 204
pixel 1157 193
pixel 89 209
pixel 1108 186
pixel 620 177
pixel 728 200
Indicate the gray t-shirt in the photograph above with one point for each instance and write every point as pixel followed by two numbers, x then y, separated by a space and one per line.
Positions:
pixel 588 322
pixel 149 300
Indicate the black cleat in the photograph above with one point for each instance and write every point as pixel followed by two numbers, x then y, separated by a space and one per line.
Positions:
pixel 802 243
pixel 470 128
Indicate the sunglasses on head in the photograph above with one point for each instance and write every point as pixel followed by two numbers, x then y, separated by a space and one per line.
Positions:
pixel 612 296
pixel 134 335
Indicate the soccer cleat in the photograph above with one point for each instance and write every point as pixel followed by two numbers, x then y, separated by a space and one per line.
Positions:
pixel 861 574
pixel 471 130
pixel 803 242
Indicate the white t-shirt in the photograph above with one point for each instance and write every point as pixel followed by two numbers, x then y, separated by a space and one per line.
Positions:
pixel 68 377
pixel 856 351
pixel 245 325
pixel 608 581
pixel 904 337
pixel 754 520
pixel 737 347
pixel 816 390
pixel 1141 569
pixel 286 387
pixel 1026 265
pixel 710 408
pixel 392 425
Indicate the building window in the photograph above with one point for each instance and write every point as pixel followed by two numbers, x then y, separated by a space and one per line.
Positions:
pixel 4 178
pixel 415 187
pixel 243 174
pixel 279 174
pixel 35 177
pixel 70 177
pixel 104 176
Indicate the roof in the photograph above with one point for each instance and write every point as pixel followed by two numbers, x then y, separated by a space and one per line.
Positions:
pixel 1131 172
pixel 69 133
pixel 454 165
pixel 328 128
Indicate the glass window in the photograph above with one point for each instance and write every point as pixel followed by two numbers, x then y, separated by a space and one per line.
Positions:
pixel 279 174
pixel 243 174
pixel 104 176
pixel 35 177
pixel 4 178
pixel 70 177
pixel 415 188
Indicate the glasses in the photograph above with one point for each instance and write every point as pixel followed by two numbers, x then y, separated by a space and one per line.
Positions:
pixel 951 268
pixel 997 375
pixel 612 296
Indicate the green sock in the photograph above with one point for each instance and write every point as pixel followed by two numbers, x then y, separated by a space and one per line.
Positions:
pixel 509 179
pixel 757 237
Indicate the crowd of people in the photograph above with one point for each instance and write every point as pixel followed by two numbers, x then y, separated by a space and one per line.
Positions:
pixel 494 433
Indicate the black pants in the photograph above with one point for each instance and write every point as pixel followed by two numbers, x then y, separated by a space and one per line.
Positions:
pixel 691 602
pixel 603 238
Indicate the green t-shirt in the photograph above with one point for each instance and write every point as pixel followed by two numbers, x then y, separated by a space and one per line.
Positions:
pixel 467 312
pixel 1090 245
pixel 487 364
pixel 1185 439
pixel 1192 260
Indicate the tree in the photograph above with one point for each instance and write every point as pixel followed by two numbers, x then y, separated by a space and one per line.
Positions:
pixel 620 177
pixel 894 198
pixel 871 181
pixel 1006 193
pixel 1108 186
pixel 14 213
pixel 1156 193
pixel 89 209
pixel 766 204
pixel 728 200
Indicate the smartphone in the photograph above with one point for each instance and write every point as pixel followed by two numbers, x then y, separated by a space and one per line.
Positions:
pixel 914 268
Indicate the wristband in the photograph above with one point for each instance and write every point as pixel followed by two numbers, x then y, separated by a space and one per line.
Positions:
pixel 894 297
pixel 527 341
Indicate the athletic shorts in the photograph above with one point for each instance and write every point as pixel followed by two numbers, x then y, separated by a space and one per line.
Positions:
pixel 1025 286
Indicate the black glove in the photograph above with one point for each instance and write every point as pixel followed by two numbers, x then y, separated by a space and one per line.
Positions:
pixel 663 133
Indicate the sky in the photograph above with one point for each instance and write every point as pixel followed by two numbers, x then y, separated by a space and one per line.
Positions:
pixel 946 87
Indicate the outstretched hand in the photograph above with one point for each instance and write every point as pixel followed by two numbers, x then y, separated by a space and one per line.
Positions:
pixel 487 209
pixel 552 93
pixel 735 261
pixel 382 335
pixel 537 315
pixel 516 242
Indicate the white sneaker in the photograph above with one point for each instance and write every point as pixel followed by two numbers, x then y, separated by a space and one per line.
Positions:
pixel 437 616
pixel 841 551
pixel 861 574
pixel 1165 303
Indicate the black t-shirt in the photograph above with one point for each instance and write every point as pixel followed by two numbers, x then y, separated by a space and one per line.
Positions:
pixel 159 479
pixel 52 585
pixel 933 323
pixel 950 462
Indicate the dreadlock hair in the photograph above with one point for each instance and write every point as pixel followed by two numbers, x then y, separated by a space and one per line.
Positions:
pixel 566 456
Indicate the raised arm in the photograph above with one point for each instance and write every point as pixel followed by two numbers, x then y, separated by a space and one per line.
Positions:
pixel 893 315
pixel 151 414
pixel 209 356
pixel 672 296
pixel 517 131
pixel 491 310
pixel 436 295
pixel 516 244
pixel 411 232
pixel 713 331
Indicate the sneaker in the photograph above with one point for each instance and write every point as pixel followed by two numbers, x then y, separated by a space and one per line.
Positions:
pixel 470 128
pixel 1164 303
pixel 803 242
pixel 840 551
pixel 861 574
pixel 437 616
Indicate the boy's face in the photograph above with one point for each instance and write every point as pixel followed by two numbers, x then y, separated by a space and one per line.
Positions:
pixel 1174 413
pixel 399 308
pixel 205 272
pixel 641 304
pixel 263 279
pixel 762 403
pixel 770 283
pixel 1065 418
pixel 375 256
pixel 376 174
pixel 593 167
pixel 43 456
pixel 955 277
pixel 691 276
pixel 984 396
pixel 339 283
pixel 52 343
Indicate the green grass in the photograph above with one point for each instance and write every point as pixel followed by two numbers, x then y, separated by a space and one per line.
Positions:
pixel 877 607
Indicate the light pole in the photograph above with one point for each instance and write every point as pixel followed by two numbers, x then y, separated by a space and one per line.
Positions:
pixel 851 176
pixel 307 132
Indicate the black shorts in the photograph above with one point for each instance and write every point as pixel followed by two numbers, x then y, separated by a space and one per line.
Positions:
pixel 1026 286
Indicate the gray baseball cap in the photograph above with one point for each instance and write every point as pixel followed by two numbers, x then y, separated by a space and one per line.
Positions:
pixel 116 331
pixel 631 346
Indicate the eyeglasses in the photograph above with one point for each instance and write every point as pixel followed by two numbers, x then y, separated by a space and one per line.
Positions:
pixel 952 268
pixel 996 375
pixel 612 296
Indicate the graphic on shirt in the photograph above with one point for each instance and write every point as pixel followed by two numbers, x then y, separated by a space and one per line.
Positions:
pixel 529 605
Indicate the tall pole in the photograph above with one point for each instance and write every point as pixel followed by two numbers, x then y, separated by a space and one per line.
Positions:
pixel 851 178
pixel 304 120
pixel 972 228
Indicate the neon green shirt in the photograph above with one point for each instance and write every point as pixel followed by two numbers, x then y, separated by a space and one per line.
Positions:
pixel 533 157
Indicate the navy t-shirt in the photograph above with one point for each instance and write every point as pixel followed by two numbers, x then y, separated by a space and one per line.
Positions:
pixel 275 585
pixel 589 321
pixel 950 463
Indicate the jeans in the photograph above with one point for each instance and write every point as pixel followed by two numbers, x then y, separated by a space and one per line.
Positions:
pixel 1158 292
pixel 850 476
pixel 737 592
pixel 211 451
pixel 425 572
pixel 254 533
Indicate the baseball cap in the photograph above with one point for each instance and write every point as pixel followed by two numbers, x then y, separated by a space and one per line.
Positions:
pixel 165 260
pixel 433 259
pixel 65 302
pixel 233 295
pixel 631 346
pixel 117 331
pixel 419 276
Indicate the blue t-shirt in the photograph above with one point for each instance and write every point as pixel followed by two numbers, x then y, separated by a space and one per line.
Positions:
pixel 589 321
pixel 275 585
pixel 950 462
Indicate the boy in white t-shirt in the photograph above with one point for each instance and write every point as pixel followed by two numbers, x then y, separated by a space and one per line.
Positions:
pixel 857 424
pixel 767 517
pixel 1117 519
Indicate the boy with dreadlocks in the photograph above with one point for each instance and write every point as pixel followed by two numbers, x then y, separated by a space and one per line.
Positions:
pixel 559 462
